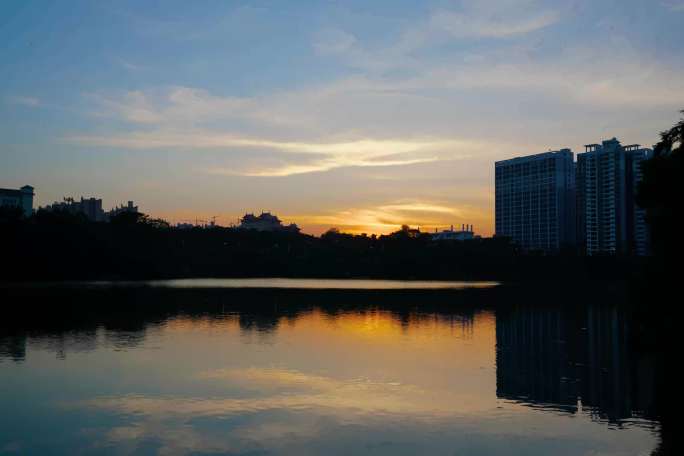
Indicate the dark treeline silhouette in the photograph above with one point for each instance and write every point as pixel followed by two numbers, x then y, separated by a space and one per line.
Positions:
pixel 655 299
pixel 63 246
pixel 661 193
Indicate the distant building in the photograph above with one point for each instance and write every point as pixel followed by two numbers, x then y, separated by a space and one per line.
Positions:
pixel 184 226
pixel 265 222
pixel 535 200
pixel 130 207
pixel 22 198
pixel 609 221
pixel 466 233
pixel 90 207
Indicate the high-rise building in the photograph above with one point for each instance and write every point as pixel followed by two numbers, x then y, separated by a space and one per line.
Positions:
pixel 640 233
pixel 609 221
pixel 535 200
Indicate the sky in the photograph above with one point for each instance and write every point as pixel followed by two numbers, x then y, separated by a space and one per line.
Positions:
pixel 357 115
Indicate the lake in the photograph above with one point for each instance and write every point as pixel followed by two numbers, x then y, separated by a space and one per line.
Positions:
pixel 320 367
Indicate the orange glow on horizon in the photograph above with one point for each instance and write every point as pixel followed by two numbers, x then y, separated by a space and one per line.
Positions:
pixel 373 220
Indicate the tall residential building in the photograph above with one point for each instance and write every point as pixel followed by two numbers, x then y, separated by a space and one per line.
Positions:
pixel 535 200
pixel 640 233
pixel 609 222
pixel 22 198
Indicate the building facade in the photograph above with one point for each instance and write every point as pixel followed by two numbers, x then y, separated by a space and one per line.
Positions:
pixel 535 200
pixel 608 219
pixel 640 233
pixel 22 198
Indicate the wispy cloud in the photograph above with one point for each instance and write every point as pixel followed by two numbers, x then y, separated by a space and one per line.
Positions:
pixel 674 5
pixel 32 102
pixel 364 121
pixel 365 152
pixel 473 19
pixel 317 166
pixel 483 24
pixel 333 41
pixel 193 119
pixel 129 65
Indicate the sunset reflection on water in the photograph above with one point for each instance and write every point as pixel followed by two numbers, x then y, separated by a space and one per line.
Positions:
pixel 204 375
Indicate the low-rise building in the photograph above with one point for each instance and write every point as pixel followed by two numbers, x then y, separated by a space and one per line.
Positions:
pixel 266 222
pixel 22 198
pixel 466 233
pixel 130 207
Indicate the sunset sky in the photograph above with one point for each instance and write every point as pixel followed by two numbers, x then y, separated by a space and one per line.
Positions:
pixel 358 115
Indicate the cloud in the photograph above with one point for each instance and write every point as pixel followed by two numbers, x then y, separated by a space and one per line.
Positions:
pixel 386 218
pixel 364 152
pixel 460 25
pixel 318 166
pixel 129 65
pixel 333 41
pixel 437 114
pixel 674 5
pixel 24 101
pixel 473 19
pixel 193 119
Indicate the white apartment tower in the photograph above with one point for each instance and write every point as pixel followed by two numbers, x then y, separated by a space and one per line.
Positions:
pixel 609 222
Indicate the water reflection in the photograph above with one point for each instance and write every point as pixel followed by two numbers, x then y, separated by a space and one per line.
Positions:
pixel 188 371
pixel 573 360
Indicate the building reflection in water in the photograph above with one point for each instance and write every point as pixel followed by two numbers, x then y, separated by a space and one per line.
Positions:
pixel 573 360
pixel 13 347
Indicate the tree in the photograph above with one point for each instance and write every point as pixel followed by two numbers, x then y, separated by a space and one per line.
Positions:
pixel 138 219
pixel 661 192
pixel 128 218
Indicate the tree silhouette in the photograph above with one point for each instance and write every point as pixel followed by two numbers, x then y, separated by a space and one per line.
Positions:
pixel 661 192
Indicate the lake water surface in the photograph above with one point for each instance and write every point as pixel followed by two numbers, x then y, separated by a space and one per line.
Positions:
pixel 200 369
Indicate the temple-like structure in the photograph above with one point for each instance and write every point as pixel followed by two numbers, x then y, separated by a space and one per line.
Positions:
pixel 266 222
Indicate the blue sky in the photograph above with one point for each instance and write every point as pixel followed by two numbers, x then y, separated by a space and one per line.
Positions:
pixel 360 115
